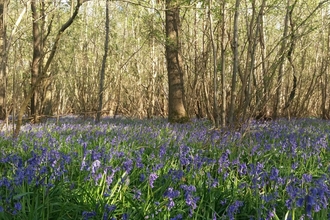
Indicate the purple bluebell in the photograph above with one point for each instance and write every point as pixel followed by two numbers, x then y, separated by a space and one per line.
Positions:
pixel 233 209
pixel 242 169
pixel 274 173
pixel 142 177
pixel 176 175
pixel 128 165
pixel 152 178
pixel 307 178
pixel 137 194
pixel 110 208
pixel 177 217
pixel 88 215
pixel 18 206
pixel 125 216
pixel 94 167
pixel 171 193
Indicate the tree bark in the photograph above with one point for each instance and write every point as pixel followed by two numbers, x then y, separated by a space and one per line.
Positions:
pixel 177 111
pixel 235 66
pixel 37 54
pixel 215 69
pixel 104 60
pixel 3 52
pixel 278 97
pixel 223 67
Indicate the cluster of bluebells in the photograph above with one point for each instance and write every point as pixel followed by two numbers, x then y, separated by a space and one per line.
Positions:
pixel 171 194
pixel 181 166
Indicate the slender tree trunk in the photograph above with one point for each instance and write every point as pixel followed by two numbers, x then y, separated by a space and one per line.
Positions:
pixel 235 66
pixel 223 68
pixel 262 108
pixel 3 52
pixel 215 69
pixel 278 97
pixel 104 60
pixel 289 56
pixel 177 111
pixel 249 67
pixel 151 105
pixel 325 68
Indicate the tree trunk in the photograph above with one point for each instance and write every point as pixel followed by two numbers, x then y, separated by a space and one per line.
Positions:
pixel 215 69
pixel 262 108
pixel 289 57
pixel 102 74
pixel 37 54
pixel 235 66
pixel 3 52
pixel 278 97
pixel 223 63
pixel 177 111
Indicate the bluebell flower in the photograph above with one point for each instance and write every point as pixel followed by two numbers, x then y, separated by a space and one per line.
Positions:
pixel 189 198
pixel 170 193
pixel 191 201
pixel 87 215
pixel 137 194
pixel 18 206
pixel 152 178
pixel 177 217
pixel 224 161
pixel 125 216
pixel 274 174
pixel 83 164
pixel 300 202
pixel 110 208
pixel 294 166
pixel 95 165
pixel 105 216
pixel 170 204
pixel 288 204
pixel 176 175
pixel 242 169
pixel 233 209
pixel 96 155
pixel 138 162
pixel 162 150
pixel 214 216
pixel 19 177
pixel 142 177
pixel 128 165
pixel 307 178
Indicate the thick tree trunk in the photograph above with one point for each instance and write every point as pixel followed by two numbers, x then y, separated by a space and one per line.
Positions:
pixel 37 55
pixel 177 111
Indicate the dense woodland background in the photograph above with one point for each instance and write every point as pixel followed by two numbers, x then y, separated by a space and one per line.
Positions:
pixel 241 59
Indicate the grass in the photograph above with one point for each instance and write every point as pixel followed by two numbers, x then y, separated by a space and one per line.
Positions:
pixel 134 169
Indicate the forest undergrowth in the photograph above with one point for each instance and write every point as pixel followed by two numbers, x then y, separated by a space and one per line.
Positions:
pixel 150 169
